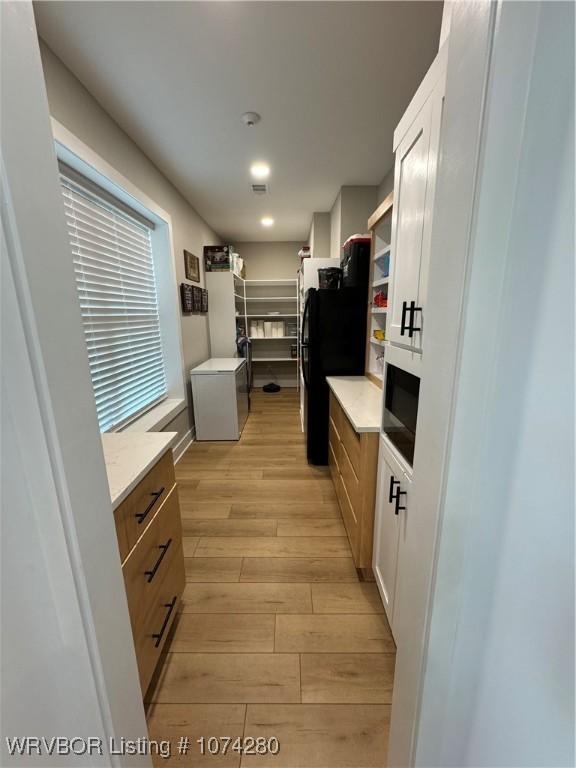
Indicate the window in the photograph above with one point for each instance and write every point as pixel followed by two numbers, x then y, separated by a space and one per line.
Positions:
pixel 114 268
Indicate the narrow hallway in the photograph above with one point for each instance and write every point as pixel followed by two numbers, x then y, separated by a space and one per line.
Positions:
pixel 276 637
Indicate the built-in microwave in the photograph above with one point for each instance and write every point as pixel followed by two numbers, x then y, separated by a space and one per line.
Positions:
pixel 401 410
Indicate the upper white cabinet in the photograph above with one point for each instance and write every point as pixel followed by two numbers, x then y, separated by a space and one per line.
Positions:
pixel 416 146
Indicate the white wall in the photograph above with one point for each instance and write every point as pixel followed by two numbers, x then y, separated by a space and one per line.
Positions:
pixel 270 260
pixel 319 238
pixel 386 185
pixel 73 106
pixel 68 664
pixel 499 683
pixel 335 227
pixel 349 214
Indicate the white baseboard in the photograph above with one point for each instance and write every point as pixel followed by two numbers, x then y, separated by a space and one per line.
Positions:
pixel 182 445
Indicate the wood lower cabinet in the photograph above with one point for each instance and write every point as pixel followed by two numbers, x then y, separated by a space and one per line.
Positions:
pixel 150 541
pixel 353 461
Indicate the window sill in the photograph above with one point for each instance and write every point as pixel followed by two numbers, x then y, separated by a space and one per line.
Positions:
pixel 158 417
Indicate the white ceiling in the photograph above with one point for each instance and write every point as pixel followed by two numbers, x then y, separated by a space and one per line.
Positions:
pixel 330 79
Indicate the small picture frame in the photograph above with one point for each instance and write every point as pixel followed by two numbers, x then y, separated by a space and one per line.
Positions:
pixel 196 299
pixel 186 298
pixel 204 300
pixel 192 267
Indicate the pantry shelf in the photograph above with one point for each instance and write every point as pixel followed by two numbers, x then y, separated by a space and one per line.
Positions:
pixel 271 298
pixel 381 281
pixel 382 252
pixel 378 343
pixel 379 311
pixel 274 359
pixel 268 338
pixel 271 317
pixel 279 282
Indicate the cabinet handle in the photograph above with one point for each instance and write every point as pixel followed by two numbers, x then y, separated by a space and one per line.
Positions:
pixel 159 635
pixel 413 309
pixel 398 507
pixel 393 482
pixel 141 516
pixel 164 548
pixel 403 326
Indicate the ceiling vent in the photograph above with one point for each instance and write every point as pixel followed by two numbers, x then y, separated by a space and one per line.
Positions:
pixel 259 189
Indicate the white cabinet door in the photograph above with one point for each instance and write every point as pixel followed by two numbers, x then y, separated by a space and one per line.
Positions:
pixel 410 175
pixel 392 496
pixel 414 184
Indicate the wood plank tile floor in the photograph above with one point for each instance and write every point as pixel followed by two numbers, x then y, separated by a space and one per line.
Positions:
pixel 276 636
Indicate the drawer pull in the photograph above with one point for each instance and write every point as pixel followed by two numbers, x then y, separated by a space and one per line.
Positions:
pixel 159 635
pixel 395 496
pixel 391 494
pixel 141 516
pixel 404 327
pixel 411 327
pixel 399 507
pixel 164 548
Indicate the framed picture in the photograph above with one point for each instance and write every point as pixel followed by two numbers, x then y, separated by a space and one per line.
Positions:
pixel 204 300
pixel 186 297
pixel 192 266
pixel 196 299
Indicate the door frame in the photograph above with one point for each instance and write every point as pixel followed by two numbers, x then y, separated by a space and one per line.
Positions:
pixel 468 51
pixel 40 265
pixel 489 100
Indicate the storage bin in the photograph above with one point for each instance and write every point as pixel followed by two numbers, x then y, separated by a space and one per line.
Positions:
pixel 331 277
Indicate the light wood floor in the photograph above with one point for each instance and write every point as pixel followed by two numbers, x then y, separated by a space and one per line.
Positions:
pixel 276 634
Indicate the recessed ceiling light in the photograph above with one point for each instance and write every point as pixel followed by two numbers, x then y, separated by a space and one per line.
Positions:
pixel 267 221
pixel 260 170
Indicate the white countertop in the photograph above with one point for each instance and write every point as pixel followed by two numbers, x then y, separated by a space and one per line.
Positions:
pixel 361 401
pixel 220 365
pixel 129 456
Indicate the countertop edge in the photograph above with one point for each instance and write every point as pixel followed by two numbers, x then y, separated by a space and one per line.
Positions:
pixel 144 467
pixel 360 429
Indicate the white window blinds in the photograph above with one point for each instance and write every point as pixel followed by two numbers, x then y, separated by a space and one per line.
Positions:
pixel 114 269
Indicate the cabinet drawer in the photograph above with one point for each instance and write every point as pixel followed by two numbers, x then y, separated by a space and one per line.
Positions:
pixel 348 515
pixel 335 413
pixel 350 480
pixel 121 535
pixel 152 558
pixel 138 509
pixel 151 638
pixel 351 442
pixel 333 462
pixel 334 441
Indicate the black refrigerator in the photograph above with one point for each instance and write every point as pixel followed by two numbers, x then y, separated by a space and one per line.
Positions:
pixel 333 344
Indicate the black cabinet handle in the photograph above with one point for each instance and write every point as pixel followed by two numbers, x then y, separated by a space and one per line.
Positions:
pixel 141 516
pixel 403 325
pixel 393 482
pixel 395 496
pixel 164 548
pixel 411 327
pixel 399 507
pixel 159 635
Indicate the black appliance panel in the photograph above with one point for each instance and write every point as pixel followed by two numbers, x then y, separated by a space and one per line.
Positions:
pixel 333 344
pixel 401 410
